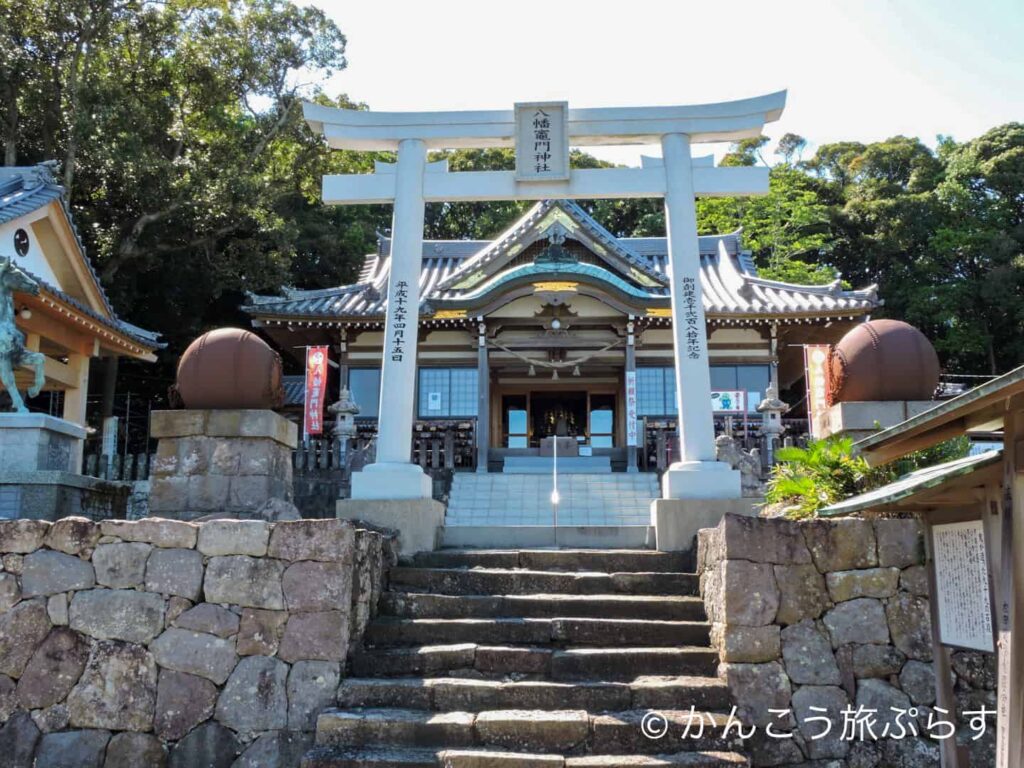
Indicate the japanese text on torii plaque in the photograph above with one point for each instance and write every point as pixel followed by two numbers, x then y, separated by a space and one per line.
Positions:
pixel 542 141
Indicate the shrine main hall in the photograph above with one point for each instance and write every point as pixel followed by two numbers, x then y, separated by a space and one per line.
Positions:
pixel 559 328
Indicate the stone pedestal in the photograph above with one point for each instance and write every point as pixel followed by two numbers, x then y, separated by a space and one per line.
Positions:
pixel 31 442
pixel 225 462
pixel 676 521
pixel 40 460
pixel 857 420
pixel 418 522
pixel 701 480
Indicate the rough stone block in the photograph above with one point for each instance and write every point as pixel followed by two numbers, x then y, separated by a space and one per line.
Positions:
pixel 915 580
pixel 18 739
pixel 175 572
pixel 8 697
pixel 279 748
pixel 977 670
pixel 121 565
pixel 911 625
pixel 209 618
pixel 135 750
pixel 10 591
pixel 807 654
pixel 900 542
pixel 175 607
pixel 763 540
pixel 46 573
pixel 330 540
pixel 245 581
pixel 746 644
pixel 758 688
pixel 320 635
pixel 255 697
pixel 22 536
pixel 53 670
pixel 857 621
pixel 248 493
pixel 870 582
pixel 73 535
pixel 117 614
pixel 208 493
pixel 179 423
pixel 260 632
pixel 802 593
pixel 312 686
pixel 882 697
pixel 153 530
pixel 55 718
pixel 13 563
pixel 195 653
pixel 22 629
pixel 183 701
pixel 314 586
pixel 168 495
pixel 234 537
pixel 841 545
pixel 917 679
pixel 117 690
pixel 72 749
pixel 211 745
pixel 808 703
pixel 749 595
pixel 876 661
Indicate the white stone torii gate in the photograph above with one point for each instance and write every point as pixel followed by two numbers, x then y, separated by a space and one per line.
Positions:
pixel 412 181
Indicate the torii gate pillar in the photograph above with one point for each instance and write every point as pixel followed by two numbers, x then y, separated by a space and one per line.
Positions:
pixel 392 475
pixel 697 475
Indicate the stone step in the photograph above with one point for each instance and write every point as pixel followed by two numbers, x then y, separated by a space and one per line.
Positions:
pixel 603 560
pixel 471 695
pixel 340 757
pixel 422 606
pixel 597 664
pixel 562 731
pixel 491 526
pixel 572 631
pixel 627 663
pixel 508 581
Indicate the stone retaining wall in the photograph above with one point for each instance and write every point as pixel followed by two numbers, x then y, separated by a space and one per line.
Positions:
pixel 166 643
pixel 825 614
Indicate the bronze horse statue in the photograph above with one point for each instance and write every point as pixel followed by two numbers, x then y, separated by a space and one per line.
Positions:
pixel 12 341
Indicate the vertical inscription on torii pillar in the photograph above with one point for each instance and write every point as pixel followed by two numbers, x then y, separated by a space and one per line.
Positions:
pixel 542 141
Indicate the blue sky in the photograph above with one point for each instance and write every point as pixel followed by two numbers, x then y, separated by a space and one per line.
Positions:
pixel 860 70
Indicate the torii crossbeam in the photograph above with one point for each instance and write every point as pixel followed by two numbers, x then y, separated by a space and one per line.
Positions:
pixel 676 176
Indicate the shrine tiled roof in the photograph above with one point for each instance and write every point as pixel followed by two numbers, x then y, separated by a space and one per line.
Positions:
pixel 27 189
pixel 729 278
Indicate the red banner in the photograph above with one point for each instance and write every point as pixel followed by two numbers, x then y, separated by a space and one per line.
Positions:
pixel 316 389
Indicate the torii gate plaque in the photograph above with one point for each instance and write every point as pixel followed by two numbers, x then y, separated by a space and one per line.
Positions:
pixel 412 182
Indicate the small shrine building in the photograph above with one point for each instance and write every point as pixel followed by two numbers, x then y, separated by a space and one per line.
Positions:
pixel 71 320
pixel 543 331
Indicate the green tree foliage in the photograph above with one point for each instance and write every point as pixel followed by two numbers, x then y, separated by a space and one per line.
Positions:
pixel 178 126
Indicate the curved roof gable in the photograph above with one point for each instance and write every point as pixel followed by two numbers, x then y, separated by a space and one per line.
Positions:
pixel 545 218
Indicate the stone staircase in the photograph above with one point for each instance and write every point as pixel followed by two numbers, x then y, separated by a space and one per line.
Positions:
pixel 531 659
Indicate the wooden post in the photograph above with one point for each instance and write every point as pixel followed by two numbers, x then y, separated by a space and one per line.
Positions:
pixel 1010 618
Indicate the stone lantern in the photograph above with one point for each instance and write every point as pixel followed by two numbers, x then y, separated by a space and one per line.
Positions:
pixel 771 410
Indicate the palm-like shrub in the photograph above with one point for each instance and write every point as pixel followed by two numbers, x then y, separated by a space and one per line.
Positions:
pixel 806 479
